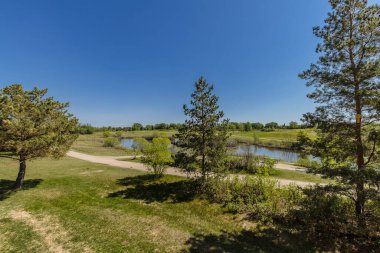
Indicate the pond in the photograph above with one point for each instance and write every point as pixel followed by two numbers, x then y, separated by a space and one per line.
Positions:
pixel 278 154
pixel 127 143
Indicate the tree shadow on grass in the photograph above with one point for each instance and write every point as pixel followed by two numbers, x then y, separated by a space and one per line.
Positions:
pixel 274 239
pixel 152 189
pixel 267 240
pixel 7 187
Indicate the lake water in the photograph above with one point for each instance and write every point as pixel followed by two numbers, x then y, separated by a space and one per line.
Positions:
pixel 128 143
pixel 278 154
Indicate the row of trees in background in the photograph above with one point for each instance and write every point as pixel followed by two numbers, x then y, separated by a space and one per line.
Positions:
pixel 232 126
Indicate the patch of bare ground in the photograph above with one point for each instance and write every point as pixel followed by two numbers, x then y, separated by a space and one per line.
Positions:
pixel 150 228
pixel 54 236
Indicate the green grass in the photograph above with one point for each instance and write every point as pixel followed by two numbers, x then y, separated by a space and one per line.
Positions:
pixel 75 205
pixel 283 138
pixel 149 133
pixel 299 176
pixel 93 144
pixel 85 201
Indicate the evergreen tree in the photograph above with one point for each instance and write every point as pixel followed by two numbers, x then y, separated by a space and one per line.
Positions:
pixel 203 137
pixel 32 126
pixel 347 91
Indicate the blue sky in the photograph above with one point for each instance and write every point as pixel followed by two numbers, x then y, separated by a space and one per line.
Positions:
pixel 119 62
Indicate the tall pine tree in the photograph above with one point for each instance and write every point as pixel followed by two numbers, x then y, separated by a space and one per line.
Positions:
pixel 203 137
pixel 347 91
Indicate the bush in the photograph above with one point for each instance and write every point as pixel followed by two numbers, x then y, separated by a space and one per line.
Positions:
pixel 307 163
pixel 106 134
pixel 250 164
pixel 118 134
pixel 258 196
pixel 86 129
pixel 324 212
pixel 111 142
pixel 157 155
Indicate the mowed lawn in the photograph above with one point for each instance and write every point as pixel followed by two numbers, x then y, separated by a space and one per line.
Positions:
pixel 75 206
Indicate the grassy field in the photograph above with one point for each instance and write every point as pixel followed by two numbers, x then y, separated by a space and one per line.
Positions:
pixel 149 134
pixel 299 176
pixel 92 144
pixel 75 206
pixel 283 138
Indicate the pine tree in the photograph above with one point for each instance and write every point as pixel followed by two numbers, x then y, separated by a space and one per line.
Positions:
pixel 203 137
pixel 33 126
pixel 347 91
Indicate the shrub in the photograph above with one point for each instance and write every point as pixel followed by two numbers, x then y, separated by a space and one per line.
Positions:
pixel 86 129
pixel 251 164
pixel 258 196
pixel 308 163
pixel 111 142
pixel 157 155
pixel 118 134
pixel 106 134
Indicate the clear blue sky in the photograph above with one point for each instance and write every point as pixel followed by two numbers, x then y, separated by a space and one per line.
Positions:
pixel 119 62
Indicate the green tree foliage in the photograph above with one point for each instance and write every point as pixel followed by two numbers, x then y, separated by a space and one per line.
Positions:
pixel 157 155
pixel 203 137
pixel 347 91
pixel 86 129
pixel 106 134
pixel 257 126
pixel 271 125
pixel 138 145
pixel 33 126
pixel 149 127
pixel 111 142
pixel 293 125
pixel 247 127
pixel 136 127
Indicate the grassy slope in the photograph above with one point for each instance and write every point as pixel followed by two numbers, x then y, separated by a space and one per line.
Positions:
pixel 299 176
pixel 283 138
pixel 93 144
pixel 76 205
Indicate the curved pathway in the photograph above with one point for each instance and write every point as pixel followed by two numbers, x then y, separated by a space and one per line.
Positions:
pixel 113 161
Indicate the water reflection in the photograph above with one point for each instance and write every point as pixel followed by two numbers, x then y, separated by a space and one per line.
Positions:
pixel 278 154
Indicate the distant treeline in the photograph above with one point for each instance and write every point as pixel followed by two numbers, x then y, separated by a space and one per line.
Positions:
pixel 232 126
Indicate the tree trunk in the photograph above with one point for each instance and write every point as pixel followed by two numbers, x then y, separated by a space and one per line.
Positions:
pixel 203 166
pixel 21 173
pixel 360 194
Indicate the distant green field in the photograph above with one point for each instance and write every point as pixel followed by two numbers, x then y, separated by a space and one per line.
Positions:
pixel 92 144
pixel 283 138
pixel 76 206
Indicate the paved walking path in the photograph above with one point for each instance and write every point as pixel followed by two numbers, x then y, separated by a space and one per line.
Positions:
pixel 113 161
